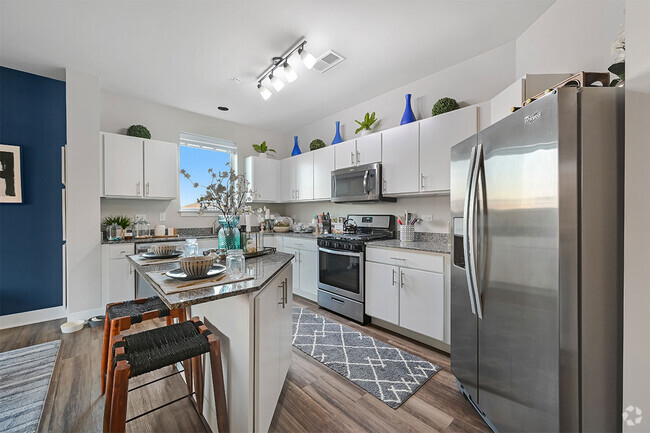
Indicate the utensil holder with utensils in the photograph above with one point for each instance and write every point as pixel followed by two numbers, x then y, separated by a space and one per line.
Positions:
pixel 407 233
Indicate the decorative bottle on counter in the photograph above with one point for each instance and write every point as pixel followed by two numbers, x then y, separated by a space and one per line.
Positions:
pixel 296 149
pixel 337 136
pixel 408 116
pixel 228 236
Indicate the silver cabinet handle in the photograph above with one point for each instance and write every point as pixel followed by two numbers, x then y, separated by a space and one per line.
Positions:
pixel 137 188
pixel 384 184
pixel 394 273
pixel 282 300
pixel 466 210
pixel 401 279
pixel 398 258
pixel 286 292
pixel 147 189
pixel 358 158
pixel 422 181
pixel 352 158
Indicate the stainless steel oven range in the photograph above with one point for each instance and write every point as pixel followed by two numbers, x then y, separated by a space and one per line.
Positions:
pixel 341 263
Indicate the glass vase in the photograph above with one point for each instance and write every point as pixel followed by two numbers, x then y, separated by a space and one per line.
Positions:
pixel 229 233
pixel 408 116
pixel 296 148
pixel 337 136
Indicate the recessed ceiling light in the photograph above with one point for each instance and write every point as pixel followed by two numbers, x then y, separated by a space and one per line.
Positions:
pixel 222 108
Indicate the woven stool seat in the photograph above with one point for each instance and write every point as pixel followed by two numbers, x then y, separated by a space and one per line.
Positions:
pixel 157 348
pixel 135 310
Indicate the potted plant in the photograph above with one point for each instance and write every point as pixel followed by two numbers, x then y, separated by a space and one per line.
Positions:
pixel 365 127
pixel 261 149
pixel 317 144
pixel 121 223
pixel 444 105
pixel 139 131
pixel 227 193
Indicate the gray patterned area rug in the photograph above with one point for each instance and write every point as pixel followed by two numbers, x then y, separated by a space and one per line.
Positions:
pixel 24 380
pixel 388 373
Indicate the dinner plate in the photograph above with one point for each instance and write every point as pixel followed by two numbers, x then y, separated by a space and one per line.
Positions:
pixel 178 273
pixel 149 255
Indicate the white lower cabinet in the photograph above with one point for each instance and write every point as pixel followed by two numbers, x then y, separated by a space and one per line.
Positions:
pixel 382 292
pixel 118 277
pixel 272 345
pixel 414 299
pixel 305 265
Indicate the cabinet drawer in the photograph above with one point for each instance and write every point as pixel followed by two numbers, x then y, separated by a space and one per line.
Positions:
pixel 300 244
pixel 408 259
pixel 120 251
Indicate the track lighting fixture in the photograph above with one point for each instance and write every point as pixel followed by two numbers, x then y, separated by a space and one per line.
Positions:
pixel 282 67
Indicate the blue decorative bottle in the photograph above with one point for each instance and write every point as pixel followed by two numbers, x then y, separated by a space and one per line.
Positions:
pixel 337 136
pixel 408 116
pixel 296 149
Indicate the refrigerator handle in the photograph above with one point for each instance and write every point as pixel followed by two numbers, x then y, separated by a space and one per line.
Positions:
pixel 466 229
pixel 473 200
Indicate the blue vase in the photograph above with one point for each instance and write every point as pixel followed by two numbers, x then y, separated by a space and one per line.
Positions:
pixel 408 116
pixel 296 149
pixel 337 136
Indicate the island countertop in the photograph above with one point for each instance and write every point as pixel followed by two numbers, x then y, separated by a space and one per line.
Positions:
pixel 262 269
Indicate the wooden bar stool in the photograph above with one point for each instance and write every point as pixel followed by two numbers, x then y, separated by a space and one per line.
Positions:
pixel 151 350
pixel 121 315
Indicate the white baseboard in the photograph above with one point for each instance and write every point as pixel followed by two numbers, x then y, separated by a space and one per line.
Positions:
pixel 86 314
pixel 30 317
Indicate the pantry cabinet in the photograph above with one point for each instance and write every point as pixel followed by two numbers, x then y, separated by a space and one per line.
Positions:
pixel 139 168
pixel 400 154
pixel 437 136
pixel 263 177
pixel 323 167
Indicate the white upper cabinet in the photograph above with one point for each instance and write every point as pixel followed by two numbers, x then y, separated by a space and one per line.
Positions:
pixel 323 167
pixel 160 169
pixel 437 136
pixel 400 154
pixel 123 166
pixel 305 176
pixel 288 190
pixel 346 152
pixel 368 149
pixel 263 175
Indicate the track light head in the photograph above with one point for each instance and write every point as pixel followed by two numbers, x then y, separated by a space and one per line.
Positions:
pixel 289 72
pixel 276 83
pixel 266 93
pixel 307 59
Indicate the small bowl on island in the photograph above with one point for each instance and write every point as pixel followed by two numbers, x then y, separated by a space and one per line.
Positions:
pixel 196 266
pixel 163 249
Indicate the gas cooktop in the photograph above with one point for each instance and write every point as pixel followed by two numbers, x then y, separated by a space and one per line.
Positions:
pixel 356 236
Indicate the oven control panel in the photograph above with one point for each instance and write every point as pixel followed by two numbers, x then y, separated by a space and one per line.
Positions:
pixel 334 244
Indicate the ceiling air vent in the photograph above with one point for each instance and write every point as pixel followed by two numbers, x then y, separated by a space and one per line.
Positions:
pixel 327 61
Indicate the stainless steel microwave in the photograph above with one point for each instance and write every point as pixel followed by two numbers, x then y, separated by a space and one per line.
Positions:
pixel 361 183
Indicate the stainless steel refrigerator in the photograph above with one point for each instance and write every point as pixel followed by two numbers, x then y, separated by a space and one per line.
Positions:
pixel 536 279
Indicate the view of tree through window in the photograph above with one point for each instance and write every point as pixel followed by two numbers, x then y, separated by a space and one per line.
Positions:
pixel 197 155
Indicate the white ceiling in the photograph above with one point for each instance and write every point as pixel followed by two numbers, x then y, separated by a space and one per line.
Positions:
pixel 185 53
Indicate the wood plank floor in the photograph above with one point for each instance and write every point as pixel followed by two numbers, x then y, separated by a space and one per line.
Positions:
pixel 314 398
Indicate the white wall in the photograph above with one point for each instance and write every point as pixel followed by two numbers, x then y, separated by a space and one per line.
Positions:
pixel 571 36
pixel 636 344
pixel 84 294
pixel 118 112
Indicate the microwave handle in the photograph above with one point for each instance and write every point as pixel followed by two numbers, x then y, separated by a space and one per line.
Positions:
pixel 333 185
pixel 365 182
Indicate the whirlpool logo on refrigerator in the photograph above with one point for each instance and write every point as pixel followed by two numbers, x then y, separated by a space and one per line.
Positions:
pixel 532 117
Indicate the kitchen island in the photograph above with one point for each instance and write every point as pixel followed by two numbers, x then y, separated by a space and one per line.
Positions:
pixel 253 320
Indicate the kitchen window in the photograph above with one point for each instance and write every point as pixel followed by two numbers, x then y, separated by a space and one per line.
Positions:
pixel 199 153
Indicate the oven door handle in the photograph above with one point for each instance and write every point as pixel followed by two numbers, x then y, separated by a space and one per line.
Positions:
pixel 339 253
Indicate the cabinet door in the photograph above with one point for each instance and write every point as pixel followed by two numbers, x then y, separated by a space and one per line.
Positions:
pixel 262 173
pixel 345 154
pixel 121 281
pixel 400 159
pixel 382 292
pixel 296 267
pixel 305 176
pixel 160 169
pixel 437 136
pixel 286 327
pixel 421 302
pixel 308 274
pixel 123 166
pixel 323 167
pixel 288 179
pixel 369 149
pixel 267 353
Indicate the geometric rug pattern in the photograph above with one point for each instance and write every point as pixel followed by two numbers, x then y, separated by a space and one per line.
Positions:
pixel 388 373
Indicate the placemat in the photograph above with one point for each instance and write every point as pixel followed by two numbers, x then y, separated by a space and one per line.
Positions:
pixel 170 285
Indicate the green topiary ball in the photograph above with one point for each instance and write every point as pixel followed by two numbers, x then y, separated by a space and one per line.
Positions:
pixel 444 105
pixel 138 131
pixel 316 144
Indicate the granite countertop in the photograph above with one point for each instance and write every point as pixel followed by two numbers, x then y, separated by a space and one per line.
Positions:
pixel 426 242
pixel 183 237
pixel 262 268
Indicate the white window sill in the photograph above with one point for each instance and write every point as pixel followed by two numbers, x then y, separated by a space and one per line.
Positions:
pixel 195 213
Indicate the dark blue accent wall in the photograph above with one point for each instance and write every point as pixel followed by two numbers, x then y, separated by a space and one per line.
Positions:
pixel 32 116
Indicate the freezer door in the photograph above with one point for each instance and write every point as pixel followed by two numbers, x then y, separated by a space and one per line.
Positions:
pixel 464 331
pixel 517 235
